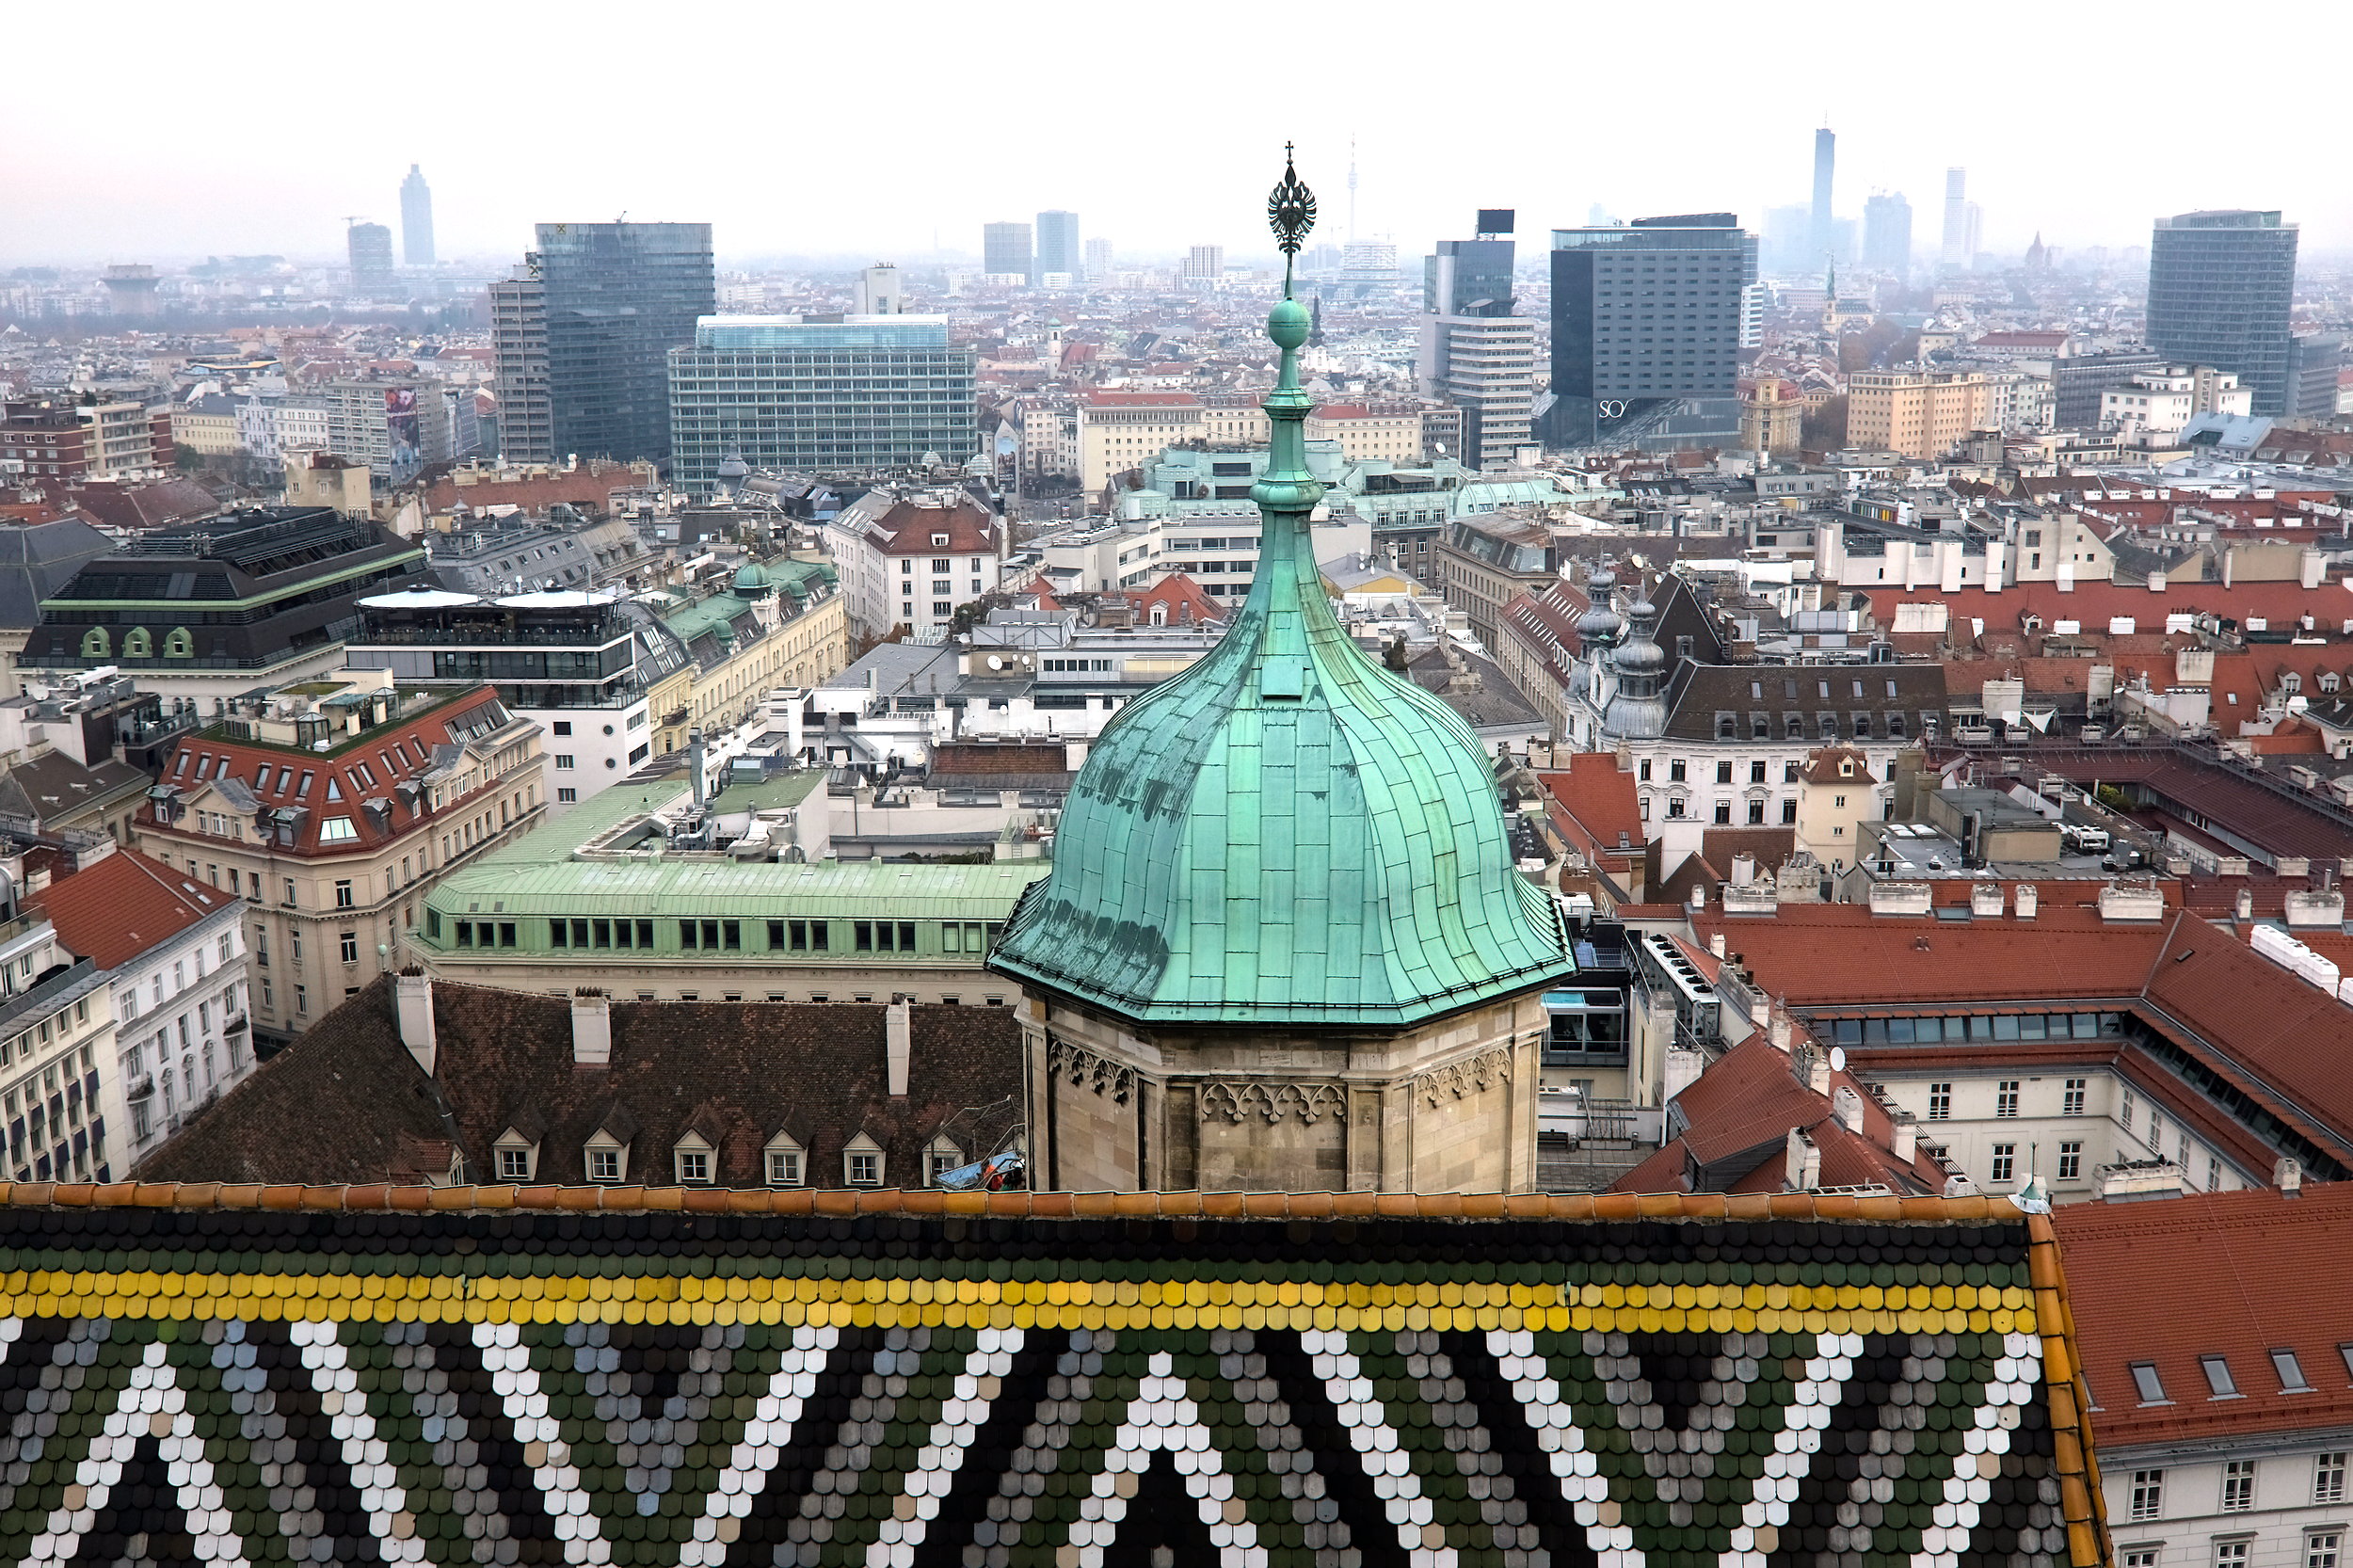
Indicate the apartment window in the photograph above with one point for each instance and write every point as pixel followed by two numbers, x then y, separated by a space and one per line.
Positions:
pixel 2321 1548
pixel 566 795
pixel 1940 1102
pixel 694 1167
pixel 1724 773
pixel 1723 813
pixel 349 943
pixel 564 759
pixel 1641 771
pixel 1756 772
pixel 862 1168
pixel 2140 1557
pixel 514 1165
pixel 2071 1098
pixel 302 998
pixel 604 1164
pixel 2328 1477
pixel 1675 771
pixel 290 890
pixel 342 894
pixel 784 1167
pixel 2006 1097
pixel 2148 1494
pixel 1756 813
pixel 2231 1554
pixel 1789 773
pixel 2238 1486
pixel 2071 1161
pixel 2005 1161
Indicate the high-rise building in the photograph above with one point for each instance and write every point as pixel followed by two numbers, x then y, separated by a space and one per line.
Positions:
pixel 1646 331
pixel 371 250
pixel 2315 360
pixel 857 394
pixel 1058 244
pixel 397 427
pixel 1005 251
pixel 612 300
pixel 1961 221
pixel 518 356
pixel 1204 265
pixel 1825 163
pixel 2219 287
pixel 1098 254
pixel 1475 353
pixel 1888 233
pixel 878 292
pixel 416 219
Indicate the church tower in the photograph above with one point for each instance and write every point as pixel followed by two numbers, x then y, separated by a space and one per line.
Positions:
pixel 1283 945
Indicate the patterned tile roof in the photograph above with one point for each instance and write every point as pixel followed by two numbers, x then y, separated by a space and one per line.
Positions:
pixel 899 1381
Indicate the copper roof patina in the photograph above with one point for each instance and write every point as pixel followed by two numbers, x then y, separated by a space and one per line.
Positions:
pixel 1286 832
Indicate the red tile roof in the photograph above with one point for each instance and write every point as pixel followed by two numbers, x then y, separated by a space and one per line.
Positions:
pixel 1840 954
pixel 910 525
pixel 1599 809
pixel 2096 603
pixel 125 905
pixel 1183 601
pixel 1143 399
pixel 2238 1275
pixel 213 773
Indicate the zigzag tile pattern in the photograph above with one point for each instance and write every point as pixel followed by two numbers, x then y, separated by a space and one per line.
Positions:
pixel 1391 1394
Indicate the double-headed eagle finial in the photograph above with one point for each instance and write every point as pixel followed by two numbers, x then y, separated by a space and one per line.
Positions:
pixel 1290 212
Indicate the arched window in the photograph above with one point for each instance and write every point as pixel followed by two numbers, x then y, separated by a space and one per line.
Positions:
pixel 179 645
pixel 137 644
pixel 94 643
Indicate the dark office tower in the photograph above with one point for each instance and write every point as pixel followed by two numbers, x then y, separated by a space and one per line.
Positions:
pixel 371 247
pixel 1887 234
pixel 2219 287
pixel 416 219
pixel 1005 251
pixel 1825 162
pixel 1646 331
pixel 1058 246
pixel 1475 353
pixel 617 297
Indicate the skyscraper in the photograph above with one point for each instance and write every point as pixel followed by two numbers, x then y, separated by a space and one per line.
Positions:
pixel 371 250
pixel 1005 251
pixel 611 301
pixel 416 219
pixel 1646 330
pixel 1475 352
pixel 1098 254
pixel 1058 244
pixel 1888 233
pixel 1204 266
pixel 1825 161
pixel 859 396
pixel 2219 287
pixel 519 358
pixel 1962 218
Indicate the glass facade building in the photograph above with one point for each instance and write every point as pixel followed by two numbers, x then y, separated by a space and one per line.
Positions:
pixel 2221 284
pixel 1058 244
pixel 617 297
pixel 1646 331
pixel 855 394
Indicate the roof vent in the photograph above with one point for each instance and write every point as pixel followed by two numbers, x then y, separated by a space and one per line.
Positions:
pixel 2288 1177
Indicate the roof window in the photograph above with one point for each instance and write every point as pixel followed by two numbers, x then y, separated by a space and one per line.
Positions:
pixel 2346 1353
pixel 2292 1379
pixel 2152 1388
pixel 2217 1370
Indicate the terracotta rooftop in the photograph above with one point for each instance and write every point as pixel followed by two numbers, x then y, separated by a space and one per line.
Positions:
pixel 125 905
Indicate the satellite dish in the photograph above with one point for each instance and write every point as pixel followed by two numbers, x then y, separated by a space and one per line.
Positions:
pixel 996 662
pixel 1838 1059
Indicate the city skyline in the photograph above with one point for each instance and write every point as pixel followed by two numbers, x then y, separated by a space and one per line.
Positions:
pixel 897 195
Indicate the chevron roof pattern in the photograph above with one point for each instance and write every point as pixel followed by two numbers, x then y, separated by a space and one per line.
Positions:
pixel 933 1391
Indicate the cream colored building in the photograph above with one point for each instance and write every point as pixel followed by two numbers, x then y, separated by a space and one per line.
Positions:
pixel 1919 413
pixel 1838 794
pixel 331 807
pixel 208 428
pixel 1123 430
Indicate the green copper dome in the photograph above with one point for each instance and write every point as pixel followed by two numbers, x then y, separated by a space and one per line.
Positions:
pixel 751 580
pixel 1287 833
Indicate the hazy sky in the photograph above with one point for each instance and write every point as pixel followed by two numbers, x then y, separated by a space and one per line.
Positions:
pixel 151 130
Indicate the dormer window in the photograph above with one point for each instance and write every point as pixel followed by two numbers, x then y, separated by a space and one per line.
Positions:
pixel 939 542
pixel 606 1156
pixel 784 1162
pixel 1846 768
pixel 515 1156
pixel 862 1163
pixel 939 1157
pixel 691 1158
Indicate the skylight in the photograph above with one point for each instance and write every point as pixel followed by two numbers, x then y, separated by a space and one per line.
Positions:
pixel 2217 1370
pixel 2145 1379
pixel 2292 1379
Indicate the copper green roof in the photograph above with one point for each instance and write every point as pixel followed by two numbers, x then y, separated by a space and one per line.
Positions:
pixel 1285 833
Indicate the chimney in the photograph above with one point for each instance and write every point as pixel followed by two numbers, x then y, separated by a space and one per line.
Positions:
pixel 1777 1028
pixel 1716 944
pixel 412 1005
pixel 2029 896
pixel 1698 896
pixel 1818 1071
pixel 1985 900
pixel 1848 1107
pixel 1743 869
pixel 1905 1142
pixel 2246 903
pixel 1801 1162
pixel 898 1028
pixel 694 766
pixel 2288 1177
pixel 592 1028
pixel 2311 567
